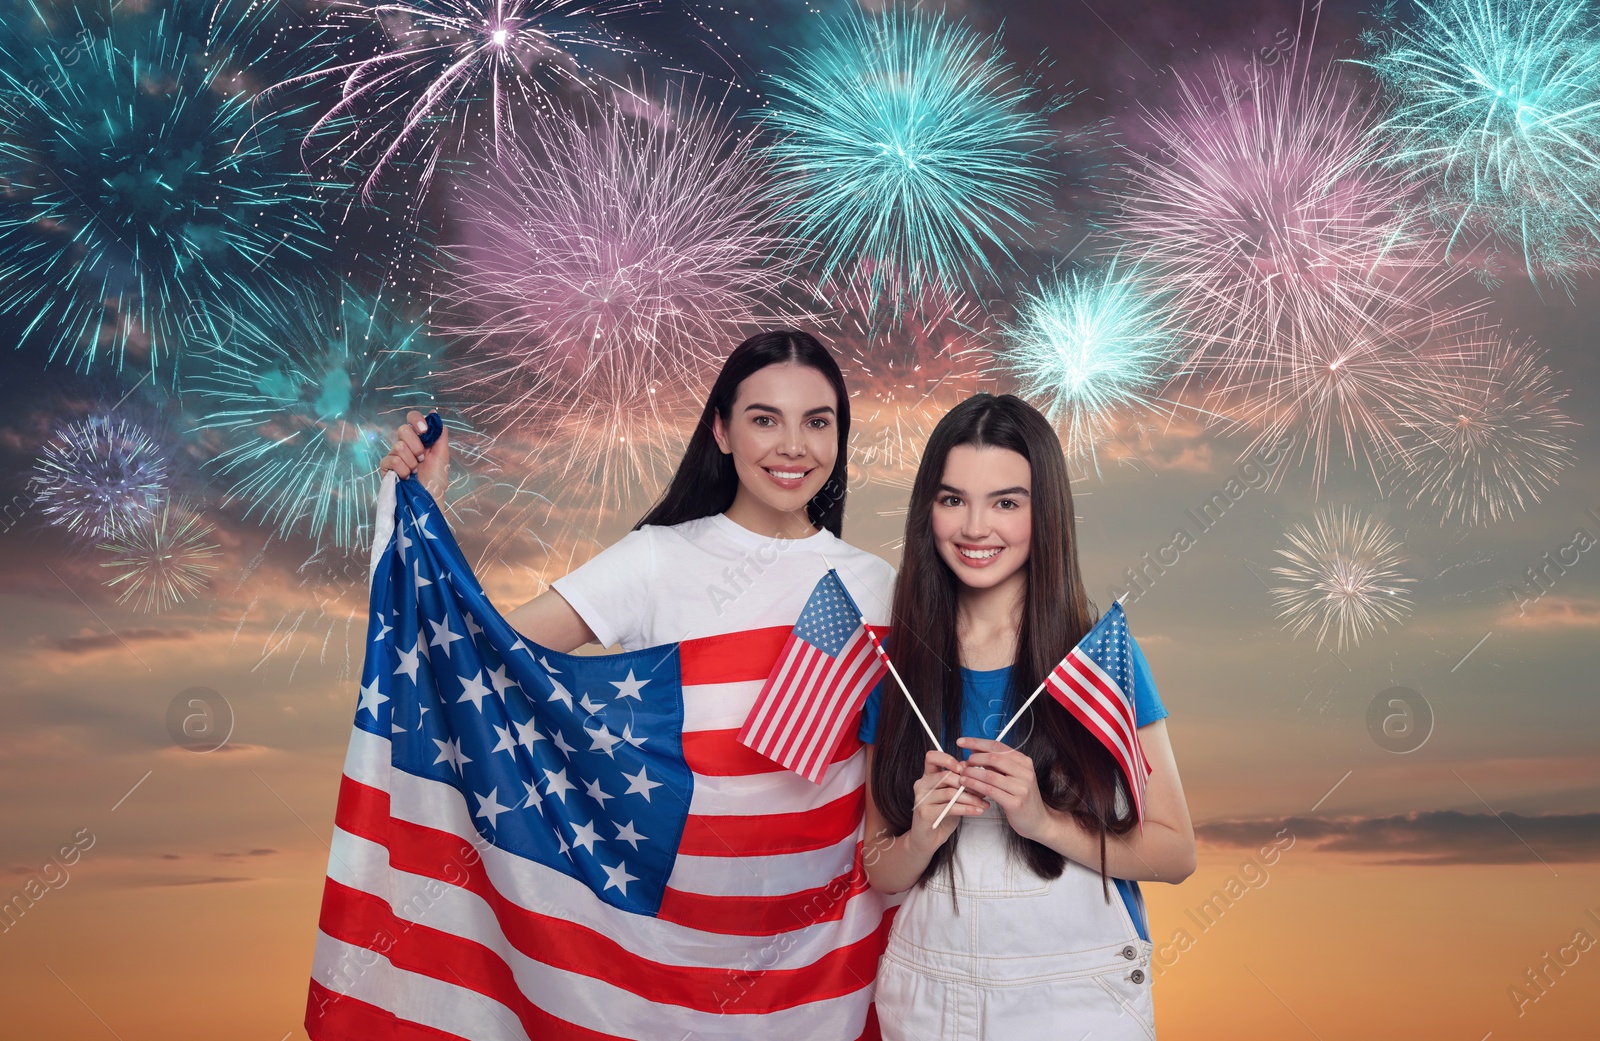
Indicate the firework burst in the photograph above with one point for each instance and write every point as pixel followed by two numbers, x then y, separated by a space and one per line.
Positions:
pixel 430 71
pixel 1345 391
pixel 613 265
pixel 904 371
pixel 1496 107
pixel 162 558
pixel 1264 212
pixel 138 184
pixel 905 141
pixel 1343 574
pixel 1085 346
pixel 305 396
pixel 1492 446
pixel 98 476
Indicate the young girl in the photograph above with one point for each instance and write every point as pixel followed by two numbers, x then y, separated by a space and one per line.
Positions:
pixel 748 525
pixel 1024 919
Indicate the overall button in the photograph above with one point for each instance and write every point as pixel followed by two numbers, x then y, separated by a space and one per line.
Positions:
pixel 1137 976
pixel 1128 952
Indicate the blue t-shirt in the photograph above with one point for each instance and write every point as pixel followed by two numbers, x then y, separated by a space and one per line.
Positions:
pixel 983 713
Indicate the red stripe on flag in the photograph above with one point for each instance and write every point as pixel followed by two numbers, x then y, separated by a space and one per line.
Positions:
pixel 767 834
pixel 731 657
pixel 1081 690
pixel 331 1016
pixel 1092 701
pixel 361 919
pixel 764 915
pixel 718 753
pixel 420 850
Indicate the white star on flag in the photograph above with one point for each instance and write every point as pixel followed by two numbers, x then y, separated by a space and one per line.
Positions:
pixel 501 681
pixel 556 783
pixel 489 807
pixel 450 752
pixel 473 690
pixel 586 836
pixel 371 698
pixel 597 793
pixel 604 741
pixel 626 833
pixel 527 734
pixel 408 664
pixel 640 783
pixel 442 636
pixel 618 877
pixel 629 688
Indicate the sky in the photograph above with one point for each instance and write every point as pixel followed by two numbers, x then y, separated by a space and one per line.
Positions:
pixel 169 778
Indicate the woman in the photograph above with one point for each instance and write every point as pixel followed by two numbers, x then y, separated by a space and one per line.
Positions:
pixel 1013 927
pixel 726 560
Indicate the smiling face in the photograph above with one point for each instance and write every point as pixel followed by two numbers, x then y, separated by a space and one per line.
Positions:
pixel 783 436
pixel 982 514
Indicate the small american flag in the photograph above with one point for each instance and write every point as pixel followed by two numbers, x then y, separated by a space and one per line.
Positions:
pixel 1095 683
pixel 823 674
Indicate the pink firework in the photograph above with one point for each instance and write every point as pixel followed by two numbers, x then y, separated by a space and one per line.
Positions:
pixel 1345 391
pixel 1493 445
pixel 439 67
pixel 611 266
pixel 1264 211
pixel 904 371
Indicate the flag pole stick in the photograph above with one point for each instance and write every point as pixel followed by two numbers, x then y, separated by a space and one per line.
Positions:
pixel 1002 736
pixel 876 646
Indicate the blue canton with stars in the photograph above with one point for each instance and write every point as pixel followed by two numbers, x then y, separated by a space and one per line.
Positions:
pixel 1107 646
pixel 830 616
pixel 572 761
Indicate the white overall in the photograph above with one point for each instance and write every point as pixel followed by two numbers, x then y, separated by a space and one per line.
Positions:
pixel 1019 958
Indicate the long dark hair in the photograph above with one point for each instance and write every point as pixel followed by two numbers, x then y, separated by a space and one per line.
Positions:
pixel 706 482
pixel 1077 775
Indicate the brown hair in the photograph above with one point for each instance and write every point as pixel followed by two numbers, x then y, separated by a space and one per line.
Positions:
pixel 1077 775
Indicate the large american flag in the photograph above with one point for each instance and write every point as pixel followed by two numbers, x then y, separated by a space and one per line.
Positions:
pixel 1095 683
pixel 828 666
pixel 532 845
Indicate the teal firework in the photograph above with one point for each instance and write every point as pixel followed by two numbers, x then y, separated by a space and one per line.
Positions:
pixel 1086 345
pixel 905 145
pixel 1496 108
pixel 300 397
pixel 139 182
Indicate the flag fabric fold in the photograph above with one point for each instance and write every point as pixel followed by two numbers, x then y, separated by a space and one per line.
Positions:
pixel 534 845
pixel 827 667
pixel 1095 683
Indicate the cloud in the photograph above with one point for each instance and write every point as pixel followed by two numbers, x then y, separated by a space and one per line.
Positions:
pixel 87 641
pixel 1431 838
pixel 1571 612
pixel 212 880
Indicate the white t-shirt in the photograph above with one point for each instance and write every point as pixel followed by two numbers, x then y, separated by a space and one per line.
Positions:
pixel 706 577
